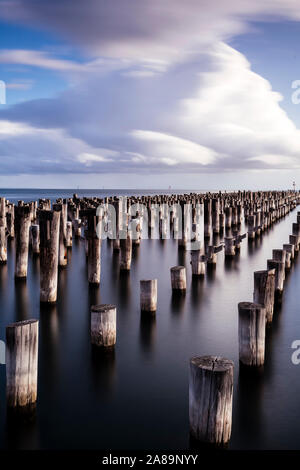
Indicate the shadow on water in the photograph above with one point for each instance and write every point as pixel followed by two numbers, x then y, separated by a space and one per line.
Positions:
pixel 197 290
pixel 248 412
pixel 22 301
pixel 178 302
pixel 147 331
pixel 103 367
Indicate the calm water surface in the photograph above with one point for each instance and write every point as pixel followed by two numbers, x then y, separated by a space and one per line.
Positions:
pixel 138 397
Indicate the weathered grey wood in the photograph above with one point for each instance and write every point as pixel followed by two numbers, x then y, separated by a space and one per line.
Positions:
pixel 62 251
pixel 69 234
pixel 21 364
pixel 229 246
pixel 198 263
pixel 103 325
pixel 49 245
pixel 125 253
pixel 294 241
pixel 3 245
pixel 35 238
pixel 216 215
pixel 210 399
pixel 264 291
pixel 178 278
pixel 289 248
pixel 148 295
pixel 252 329
pixel 77 227
pixel 279 267
pixel 22 224
pixel 251 220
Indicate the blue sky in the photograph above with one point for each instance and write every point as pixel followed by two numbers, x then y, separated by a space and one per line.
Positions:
pixel 136 94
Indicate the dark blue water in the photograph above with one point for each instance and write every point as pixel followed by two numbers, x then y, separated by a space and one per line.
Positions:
pixel 138 398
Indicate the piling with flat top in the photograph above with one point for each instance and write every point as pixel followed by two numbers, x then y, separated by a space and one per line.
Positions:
pixel 264 291
pixel 22 224
pixel 210 399
pixel 279 267
pixel 21 364
pixel 35 238
pixel 178 278
pixel 198 263
pixel 252 329
pixel 69 234
pixel 229 246
pixel 289 248
pixel 103 325
pixel 148 295
pixel 125 253
pixel 49 246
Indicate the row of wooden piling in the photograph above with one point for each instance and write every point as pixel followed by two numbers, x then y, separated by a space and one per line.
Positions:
pixel 50 233
pixel 211 378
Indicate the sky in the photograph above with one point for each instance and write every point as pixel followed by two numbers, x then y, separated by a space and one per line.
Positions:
pixel 200 94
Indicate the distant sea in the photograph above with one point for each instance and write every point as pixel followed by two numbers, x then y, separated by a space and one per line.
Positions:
pixel 16 194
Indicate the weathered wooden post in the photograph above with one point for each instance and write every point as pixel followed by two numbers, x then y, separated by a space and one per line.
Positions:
pixel 69 235
pixel 252 330
pixel 210 399
pixel 229 246
pixel 103 325
pixel 289 248
pixel 3 245
pixel 94 245
pixel 77 228
pixel 294 241
pixel 62 251
pixel 125 253
pixel 10 220
pixel 2 212
pixel 207 218
pixel 216 215
pixel 35 238
pixel 22 365
pixel 264 291
pixel 279 267
pixel 22 224
pixel 279 255
pixel 178 278
pixel 198 263
pixel 49 245
pixel 148 295
pixel 251 226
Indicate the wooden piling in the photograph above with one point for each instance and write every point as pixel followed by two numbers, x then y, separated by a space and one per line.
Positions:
pixel 49 246
pixel 252 327
pixel 178 278
pixel 22 365
pixel 103 325
pixel 148 295
pixel 22 224
pixel 264 291
pixel 210 399
pixel 35 238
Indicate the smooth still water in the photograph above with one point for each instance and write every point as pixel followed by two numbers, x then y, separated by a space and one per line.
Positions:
pixel 138 398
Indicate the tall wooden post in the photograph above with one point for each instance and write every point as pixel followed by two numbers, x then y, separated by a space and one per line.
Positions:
pixel 22 224
pixel 49 246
